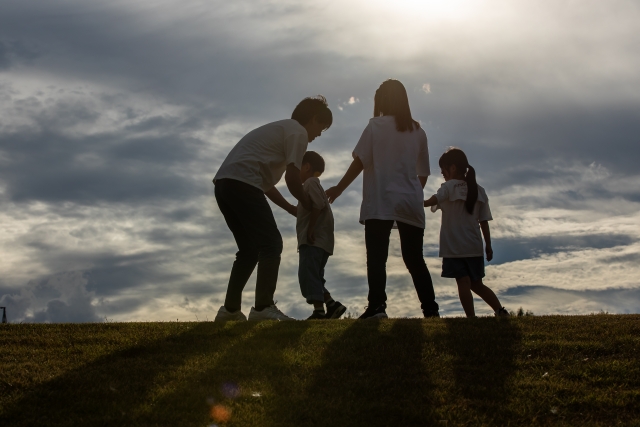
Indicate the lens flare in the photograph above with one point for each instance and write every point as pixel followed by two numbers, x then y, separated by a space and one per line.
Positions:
pixel 230 390
pixel 220 414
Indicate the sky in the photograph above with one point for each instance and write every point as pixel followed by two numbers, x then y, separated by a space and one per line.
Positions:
pixel 115 116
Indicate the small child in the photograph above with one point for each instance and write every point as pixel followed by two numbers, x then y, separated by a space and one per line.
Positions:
pixel 315 240
pixel 465 212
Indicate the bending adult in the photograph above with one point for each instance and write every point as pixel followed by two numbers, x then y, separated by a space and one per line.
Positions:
pixel 394 155
pixel 248 174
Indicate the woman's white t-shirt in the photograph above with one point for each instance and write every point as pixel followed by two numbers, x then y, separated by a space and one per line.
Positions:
pixel 460 235
pixel 392 163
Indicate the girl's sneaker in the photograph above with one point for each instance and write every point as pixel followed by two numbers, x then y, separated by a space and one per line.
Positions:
pixel 227 316
pixel 502 313
pixel 269 313
pixel 336 310
pixel 375 313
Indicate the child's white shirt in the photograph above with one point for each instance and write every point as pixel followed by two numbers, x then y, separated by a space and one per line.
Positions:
pixel 392 162
pixel 323 230
pixel 460 235
pixel 261 157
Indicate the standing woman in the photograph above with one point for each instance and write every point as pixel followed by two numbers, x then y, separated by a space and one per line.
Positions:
pixel 394 155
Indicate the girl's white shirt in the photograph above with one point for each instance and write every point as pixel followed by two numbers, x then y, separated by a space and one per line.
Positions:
pixel 392 163
pixel 460 235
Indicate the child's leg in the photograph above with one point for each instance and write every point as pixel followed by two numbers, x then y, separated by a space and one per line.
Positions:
pixel 486 294
pixel 464 292
pixel 311 284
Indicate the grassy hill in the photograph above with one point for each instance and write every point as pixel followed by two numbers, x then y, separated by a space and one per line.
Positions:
pixel 551 370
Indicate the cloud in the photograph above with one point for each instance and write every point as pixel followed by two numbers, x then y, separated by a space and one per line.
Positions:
pixel 114 118
pixel 61 298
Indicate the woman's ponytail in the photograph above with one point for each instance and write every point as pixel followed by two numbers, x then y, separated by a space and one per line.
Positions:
pixel 472 189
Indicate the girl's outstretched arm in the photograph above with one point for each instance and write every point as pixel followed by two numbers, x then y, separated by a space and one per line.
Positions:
pixel 431 202
pixel 352 173
pixel 484 226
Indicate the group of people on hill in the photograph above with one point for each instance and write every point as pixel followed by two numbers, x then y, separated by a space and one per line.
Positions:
pixel 393 156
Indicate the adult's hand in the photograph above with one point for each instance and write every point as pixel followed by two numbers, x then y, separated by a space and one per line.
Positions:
pixel 352 173
pixel 294 184
pixel 333 193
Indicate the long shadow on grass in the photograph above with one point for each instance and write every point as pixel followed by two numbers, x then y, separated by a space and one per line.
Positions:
pixel 119 389
pixel 371 375
pixel 484 360
pixel 256 374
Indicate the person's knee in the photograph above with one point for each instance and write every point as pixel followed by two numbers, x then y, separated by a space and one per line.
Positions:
pixel 272 249
pixel 414 261
pixel 247 255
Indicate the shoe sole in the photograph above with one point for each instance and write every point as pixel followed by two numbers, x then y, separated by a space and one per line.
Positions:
pixel 339 312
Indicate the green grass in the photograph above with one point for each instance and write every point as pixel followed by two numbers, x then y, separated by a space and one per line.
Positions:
pixel 551 370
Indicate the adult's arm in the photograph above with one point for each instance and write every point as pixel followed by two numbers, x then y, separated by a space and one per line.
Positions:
pixel 352 173
pixel 423 180
pixel 294 184
pixel 278 199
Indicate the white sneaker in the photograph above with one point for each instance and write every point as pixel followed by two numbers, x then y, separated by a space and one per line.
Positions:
pixel 226 316
pixel 269 313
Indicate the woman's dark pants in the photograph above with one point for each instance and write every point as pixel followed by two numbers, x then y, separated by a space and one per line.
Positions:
pixel 377 232
pixel 250 219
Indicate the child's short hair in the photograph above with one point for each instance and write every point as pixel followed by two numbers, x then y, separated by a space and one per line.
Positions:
pixel 315 106
pixel 315 160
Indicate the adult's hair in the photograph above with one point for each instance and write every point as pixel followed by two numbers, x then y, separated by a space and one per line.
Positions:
pixel 455 156
pixel 313 106
pixel 391 100
pixel 315 160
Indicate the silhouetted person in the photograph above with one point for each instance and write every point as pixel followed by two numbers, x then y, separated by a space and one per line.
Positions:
pixel 248 174
pixel 315 241
pixel 394 155
pixel 465 213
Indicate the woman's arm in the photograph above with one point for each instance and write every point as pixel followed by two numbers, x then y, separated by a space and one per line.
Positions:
pixel 277 198
pixel 352 173
pixel 423 180
pixel 484 226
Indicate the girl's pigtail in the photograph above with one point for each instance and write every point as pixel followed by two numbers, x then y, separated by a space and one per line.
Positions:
pixel 472 189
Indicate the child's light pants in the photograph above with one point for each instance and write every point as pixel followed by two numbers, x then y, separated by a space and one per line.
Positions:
pixel 311 272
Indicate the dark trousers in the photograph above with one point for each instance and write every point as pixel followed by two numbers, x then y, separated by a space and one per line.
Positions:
pixel 250 219
pixel 377 234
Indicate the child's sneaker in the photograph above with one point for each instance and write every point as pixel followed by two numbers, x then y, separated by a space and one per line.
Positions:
pixel 269 313
pixel 227 316
pixel 375 312
pixel 335 310
pixel 502 313
pixel 317 315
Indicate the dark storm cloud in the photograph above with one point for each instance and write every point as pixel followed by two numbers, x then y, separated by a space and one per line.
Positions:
pixel 15 51
pixel 514 249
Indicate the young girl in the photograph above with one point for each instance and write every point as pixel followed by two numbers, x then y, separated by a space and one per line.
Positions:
pixel 465 212
pixel 394 155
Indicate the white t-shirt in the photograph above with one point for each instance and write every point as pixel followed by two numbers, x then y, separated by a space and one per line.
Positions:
pixel 261 156
pixel 460 235
pixel 392 163
pixel 323 231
